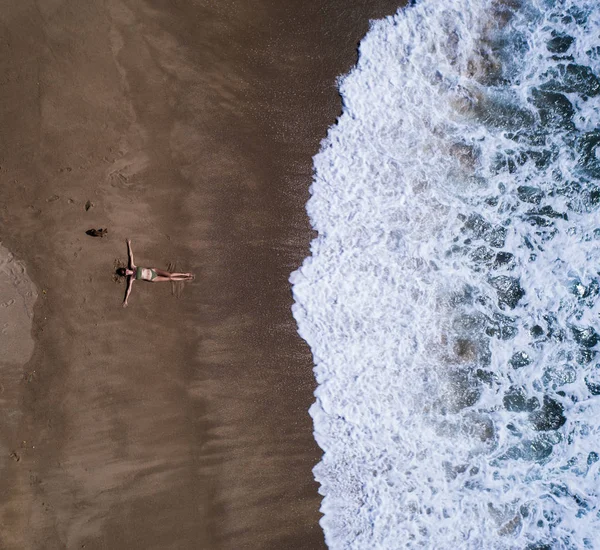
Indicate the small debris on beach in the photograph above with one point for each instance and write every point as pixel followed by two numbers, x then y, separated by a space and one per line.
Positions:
pixel 97 232
pixel 29 376
pixel 88 205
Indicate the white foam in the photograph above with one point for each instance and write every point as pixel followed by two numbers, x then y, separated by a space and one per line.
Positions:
pixel 416 446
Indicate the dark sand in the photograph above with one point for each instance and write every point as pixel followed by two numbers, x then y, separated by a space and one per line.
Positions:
pixel 180 422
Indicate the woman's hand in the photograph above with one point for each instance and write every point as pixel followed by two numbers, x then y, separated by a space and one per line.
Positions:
pixel 124 304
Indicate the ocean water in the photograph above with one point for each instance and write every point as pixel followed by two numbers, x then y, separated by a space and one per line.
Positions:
pixel 451 299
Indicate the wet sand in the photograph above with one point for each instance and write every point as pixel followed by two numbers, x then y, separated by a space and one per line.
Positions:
pixel 179 422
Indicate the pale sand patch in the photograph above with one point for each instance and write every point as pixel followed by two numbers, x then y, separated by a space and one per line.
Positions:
pixel 17 297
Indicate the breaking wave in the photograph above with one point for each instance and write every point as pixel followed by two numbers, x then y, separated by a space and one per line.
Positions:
pixel 451 298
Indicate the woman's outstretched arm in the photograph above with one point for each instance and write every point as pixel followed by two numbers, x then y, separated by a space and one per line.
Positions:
pixel 128 291
pixel 130 253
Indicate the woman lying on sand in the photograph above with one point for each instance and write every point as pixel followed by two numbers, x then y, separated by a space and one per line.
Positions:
pixel 151 274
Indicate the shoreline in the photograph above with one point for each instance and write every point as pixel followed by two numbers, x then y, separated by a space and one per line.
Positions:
pixel 181 421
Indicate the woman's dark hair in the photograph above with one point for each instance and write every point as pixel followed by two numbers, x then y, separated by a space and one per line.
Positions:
pixel 121 272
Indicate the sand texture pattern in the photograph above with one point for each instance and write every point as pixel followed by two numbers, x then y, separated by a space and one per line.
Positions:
pixel 180 422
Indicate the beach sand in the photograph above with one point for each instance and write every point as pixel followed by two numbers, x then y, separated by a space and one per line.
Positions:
pixel 182 421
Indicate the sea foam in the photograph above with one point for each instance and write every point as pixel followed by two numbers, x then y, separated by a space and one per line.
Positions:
pixel 451 296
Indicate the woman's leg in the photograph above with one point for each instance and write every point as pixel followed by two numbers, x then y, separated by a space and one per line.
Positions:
pixel 159 279
pixel 173 276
